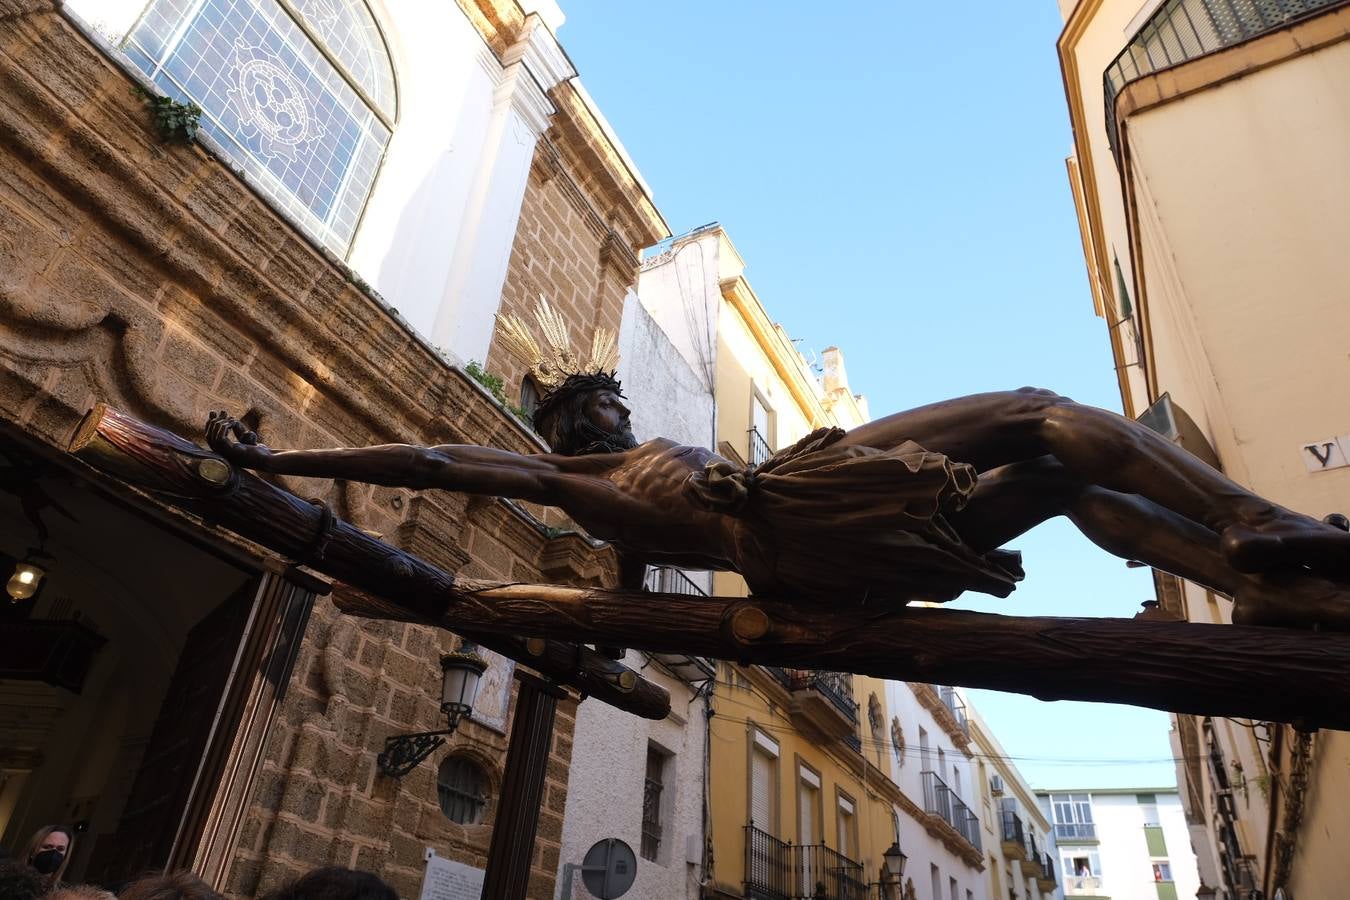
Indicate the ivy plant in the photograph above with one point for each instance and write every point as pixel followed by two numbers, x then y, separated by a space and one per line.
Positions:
pixel 497 388
pixel 176 122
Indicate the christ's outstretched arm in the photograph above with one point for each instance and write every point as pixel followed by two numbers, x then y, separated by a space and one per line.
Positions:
pixel 465 468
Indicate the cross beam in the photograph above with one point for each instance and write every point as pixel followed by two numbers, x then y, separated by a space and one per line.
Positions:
pixel 1270 674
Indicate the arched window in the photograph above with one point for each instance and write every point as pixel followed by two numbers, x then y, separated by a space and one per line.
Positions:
pixel 300 93
pixel 529 396
pixel 461 789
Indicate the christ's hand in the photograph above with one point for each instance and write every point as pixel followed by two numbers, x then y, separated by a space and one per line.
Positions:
pixel 231 439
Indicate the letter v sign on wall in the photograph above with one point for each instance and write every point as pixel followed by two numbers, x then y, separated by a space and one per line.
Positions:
pixel 1322 455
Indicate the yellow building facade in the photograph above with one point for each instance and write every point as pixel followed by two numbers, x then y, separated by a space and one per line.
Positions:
pixel 1213 197
pixel 805 792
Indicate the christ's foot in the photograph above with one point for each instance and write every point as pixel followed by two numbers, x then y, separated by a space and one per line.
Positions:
pixel 1292 600
pixel 1323 547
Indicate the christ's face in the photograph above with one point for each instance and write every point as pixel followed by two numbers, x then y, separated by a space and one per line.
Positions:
pixel 607 411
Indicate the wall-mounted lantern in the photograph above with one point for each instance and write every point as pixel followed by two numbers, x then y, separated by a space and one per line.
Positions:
pixel 460 674
pixel 893 869
pixel 28 576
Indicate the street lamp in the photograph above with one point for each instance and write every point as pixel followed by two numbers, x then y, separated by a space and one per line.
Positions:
pixel 460 674
pixel 893 869
pixel 895 860
pixel 28 576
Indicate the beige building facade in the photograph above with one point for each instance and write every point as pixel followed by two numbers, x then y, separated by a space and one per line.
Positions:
pixel 1214 203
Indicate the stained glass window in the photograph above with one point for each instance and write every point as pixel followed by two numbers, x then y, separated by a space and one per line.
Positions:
pixel 309 132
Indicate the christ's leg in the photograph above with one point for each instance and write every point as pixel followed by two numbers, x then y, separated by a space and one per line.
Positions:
pixel 1100 448
pixel 1012 500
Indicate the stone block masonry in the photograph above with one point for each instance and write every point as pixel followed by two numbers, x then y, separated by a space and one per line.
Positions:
pixel 151 277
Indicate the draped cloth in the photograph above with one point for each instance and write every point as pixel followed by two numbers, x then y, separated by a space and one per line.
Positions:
pixel 831 523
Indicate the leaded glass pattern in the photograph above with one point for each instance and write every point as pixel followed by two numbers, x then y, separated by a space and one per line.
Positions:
pixel 349 32
pixel 280 109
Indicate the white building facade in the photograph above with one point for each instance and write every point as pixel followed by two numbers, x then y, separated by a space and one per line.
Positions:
pixel 1018 840
pixel 639 781
pixel 400 144
pixel 1122 844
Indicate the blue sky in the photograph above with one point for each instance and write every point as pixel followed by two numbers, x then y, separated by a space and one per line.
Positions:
pixel 893 174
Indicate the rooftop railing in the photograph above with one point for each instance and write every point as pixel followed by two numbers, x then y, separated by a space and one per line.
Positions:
pixel 1182 30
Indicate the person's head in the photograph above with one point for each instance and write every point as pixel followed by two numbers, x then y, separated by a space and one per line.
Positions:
pixel 585 414
pixel 19 882
pixel 80 892
pixel 335 883
pixel 48 851
pixel 174 886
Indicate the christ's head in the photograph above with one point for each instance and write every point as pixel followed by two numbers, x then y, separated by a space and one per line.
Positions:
pixel 586 414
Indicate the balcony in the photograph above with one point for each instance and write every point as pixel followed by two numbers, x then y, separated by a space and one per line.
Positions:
pixel 669 580
pixel 1031 858
pixel 1182 30
pixel 758 447
pixel 1075 832
pixel 822 702
pixel 1046 879
pixel 775 870
pixel 947 710
pixel 1082 886
pixel 956 707
pixel 1014 842
pixel 941 801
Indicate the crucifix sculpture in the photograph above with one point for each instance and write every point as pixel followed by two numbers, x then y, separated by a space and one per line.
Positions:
pixel 915 506
pixel 836 536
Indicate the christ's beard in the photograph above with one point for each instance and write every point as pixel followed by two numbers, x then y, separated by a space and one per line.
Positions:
pixel 601 441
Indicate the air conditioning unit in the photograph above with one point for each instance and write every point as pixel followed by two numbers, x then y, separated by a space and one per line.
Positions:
pixel 995 784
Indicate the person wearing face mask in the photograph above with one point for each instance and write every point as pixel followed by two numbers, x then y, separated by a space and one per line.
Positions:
pixel 48 852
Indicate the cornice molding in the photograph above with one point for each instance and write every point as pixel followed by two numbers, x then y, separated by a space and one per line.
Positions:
pixel 585 144
pixel 529 101
pixel 545 58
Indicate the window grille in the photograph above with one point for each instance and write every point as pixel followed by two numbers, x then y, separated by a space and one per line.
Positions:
pixel 299 94
pixel 651 804
pixel 460 789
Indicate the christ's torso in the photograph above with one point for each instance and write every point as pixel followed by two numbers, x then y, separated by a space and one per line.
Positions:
pixel 641 507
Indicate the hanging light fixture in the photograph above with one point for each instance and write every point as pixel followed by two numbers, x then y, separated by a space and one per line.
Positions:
pixel 460 673
pixel 29 573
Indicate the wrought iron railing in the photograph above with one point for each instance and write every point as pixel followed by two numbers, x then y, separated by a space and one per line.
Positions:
pixel 953 702
pixel 759 449
pixel 942 801
pixel 853 741
pixel 837 686
pixel 1182 30
pixel 669 580
pixel 1075 831
pixel 820 867
pixel 1033 851
pixel 768 866
pixel 1012 827
pixel 1047 867
pixel 651 819
pixel 775 870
